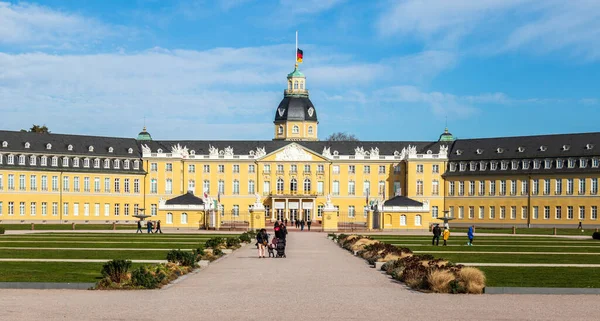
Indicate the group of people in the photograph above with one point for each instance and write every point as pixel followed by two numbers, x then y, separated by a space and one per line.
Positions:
pixel 437 232
pixel 262 239
pixel 301 223
pixel 150 227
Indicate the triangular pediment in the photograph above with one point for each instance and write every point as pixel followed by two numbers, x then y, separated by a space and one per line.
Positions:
pixel 294 153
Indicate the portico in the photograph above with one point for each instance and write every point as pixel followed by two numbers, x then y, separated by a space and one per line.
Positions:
pixel 293 206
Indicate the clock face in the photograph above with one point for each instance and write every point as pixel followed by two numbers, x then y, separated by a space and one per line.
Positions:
pixel 311 111
pixel 280 111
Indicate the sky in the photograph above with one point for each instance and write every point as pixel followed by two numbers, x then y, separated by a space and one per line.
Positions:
pixel 382 70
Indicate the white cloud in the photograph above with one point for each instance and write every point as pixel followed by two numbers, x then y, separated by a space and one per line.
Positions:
pixel 496 26
pixel 26 24
pixel 308 6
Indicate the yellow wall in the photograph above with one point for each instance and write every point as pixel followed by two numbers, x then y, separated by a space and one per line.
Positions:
pixel 303 130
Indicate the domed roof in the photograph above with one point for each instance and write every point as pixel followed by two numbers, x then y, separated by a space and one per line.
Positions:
pixel 144 135
pixel 295 108
pixel 446 136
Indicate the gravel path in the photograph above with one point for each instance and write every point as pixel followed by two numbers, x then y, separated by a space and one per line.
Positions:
pixel 318 281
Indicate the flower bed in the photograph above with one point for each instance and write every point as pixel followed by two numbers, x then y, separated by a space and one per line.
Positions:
pixel 419 272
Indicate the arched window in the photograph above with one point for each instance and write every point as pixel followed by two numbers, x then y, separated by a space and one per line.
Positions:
pixel 302 85
pixel 184 218
pixel 418 220
pixel 306 185
pixel 296 84
pixel 280 129
pixel 169 218
pixel 280 185
pixel 290 85
pixel 310 130
pixel 403 220
pixel 293 185
pixel 295 129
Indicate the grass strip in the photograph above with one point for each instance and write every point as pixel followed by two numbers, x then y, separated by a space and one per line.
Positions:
pixel 556 277
pixel 51 272
pixel 68 226
pixel 518 258
pixel 495 248
pixel 77 254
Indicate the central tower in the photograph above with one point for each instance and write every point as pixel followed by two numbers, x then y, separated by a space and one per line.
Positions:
pixel 296 116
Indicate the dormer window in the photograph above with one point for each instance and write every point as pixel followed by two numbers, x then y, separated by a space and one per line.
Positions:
pixel 500 150
pixel 159 150
pixel 54 161
pixel 86 162
pixel 27 145
pixel 583 163
pixel 589 146
pixel 44 161
pixel 482 165
pixel 96 163
pixel 4 144
pixel 547 164
pixel 429 152
pixel 65 162
pixel 494 165
pixel 525 164
pixel 459 152
pixel 479 151
pixel 32 160
pixel 566 147
pixel 463 166
pixel 126 164
pixel 192 152
pixel 70 147
pixel 571 163
pixel 543 148
pixel 296 84
pixel 136 164
pixel 473 166
pixel 107 163
pixel 117 164
pixel 453 167
pixel 295 129
pixel 504 165
pixel 10 160
pixel 48 146
pixel 75 162
pixel 595 162
pixel 280 129
pixel 110 149
pixel 559 163
pixel 537 164
pixel 521 149
pixel 514 165
pixel 21 159
pixel 91 149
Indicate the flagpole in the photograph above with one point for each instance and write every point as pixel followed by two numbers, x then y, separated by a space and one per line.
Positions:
pixel 296 52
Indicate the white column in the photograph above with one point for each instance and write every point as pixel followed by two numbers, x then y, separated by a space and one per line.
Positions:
pixel 314 210
pixel 287 206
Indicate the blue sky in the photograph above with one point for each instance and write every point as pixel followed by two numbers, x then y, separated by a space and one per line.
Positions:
pixel 383 70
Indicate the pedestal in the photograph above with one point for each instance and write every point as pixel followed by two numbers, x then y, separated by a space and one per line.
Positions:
pixel 369 220
pixel 257 219
pixel 330 220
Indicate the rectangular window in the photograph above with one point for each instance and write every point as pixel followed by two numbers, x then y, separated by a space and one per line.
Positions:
pixel 569 186
pixel 126 185
pixel 461 188
pixel 126 209
pixel 524 212
pixel 293 169
pixel 471 212
pixel 169 186
pixel 66 183
pixel 569 212
pixel 153 186
pixel 492 188
pixel 136 209
pixel 492 212
pixel 153 167
pixel 136 185
pixel 221 187
pixel 117 185
pixel 471 188
pixel 593 190
pixel 581 186
pixel 451 211
pixel 451 188
pixel 236 168
pixel 351 169
pixel 397 169
pixel 153 210
pixel 1 179
pixel 32 183
pixel 251 187
pixel 419 187
pixel 266 187
pixel 336 169
pixel 502 187
pixel 535 187
pixel 397 188
pixel 55 209
pixel 267 169
pixel 106 185
pixel 435 169
pixel 336 188
pixel 351 188
pixel 106 209
pixel 236 187
pixel 594 212
pixel 513 212
pixel 320 169
pixel 435 187
pixel 22 185
pixel 65 209
pixel 381 169
pixel 546 212
pixel 513 187
pixel 75 209
pixel 320 187
pixel 44 183
pixel 366 188
pixel 236 210
pixel 97 184
pixel 86 209
pixel 221 168
pixel 481 188
pixel 558 213
pixel 86 184
pixel 461 212
pixel 367 169
pixel 191 168
pixel 251 168
pixel 558 186
pixel 502 212
pixel 54 183
pixel 547 186
pixel 582 213
pixel 351 211
pixel 32 209
pixel 434 212
pixel 117 209
pixel 44 208
pixel 535 213
pixel 97 209
pixel 419 168
pixel 168 167
pixel 481 212
pixel 206 168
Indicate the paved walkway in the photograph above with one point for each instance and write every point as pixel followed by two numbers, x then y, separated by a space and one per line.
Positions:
pixel 318 281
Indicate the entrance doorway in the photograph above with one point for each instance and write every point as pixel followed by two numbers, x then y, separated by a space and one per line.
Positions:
pixel 307 215
pixel 293 215
pixel 280 214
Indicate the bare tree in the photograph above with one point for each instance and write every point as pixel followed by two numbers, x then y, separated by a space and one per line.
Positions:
pixel 340 136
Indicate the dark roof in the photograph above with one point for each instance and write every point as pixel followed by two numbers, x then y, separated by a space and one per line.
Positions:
pixel 60 142
pixel 523 147
pixel 401 201
pixel 243 147
pixel 186 199
pixel 295 108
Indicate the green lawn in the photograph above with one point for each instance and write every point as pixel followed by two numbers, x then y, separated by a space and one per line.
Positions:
pixel 67 226
pixel 532 231
pixel 554 277
pixel 51 272
pixel 81 254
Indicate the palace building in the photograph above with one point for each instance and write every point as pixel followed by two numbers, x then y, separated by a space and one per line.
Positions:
pixel 549 180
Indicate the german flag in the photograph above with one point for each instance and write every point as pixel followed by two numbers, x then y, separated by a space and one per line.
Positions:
pixel 299 55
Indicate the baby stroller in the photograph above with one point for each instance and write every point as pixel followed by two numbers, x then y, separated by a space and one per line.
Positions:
pixel 280 248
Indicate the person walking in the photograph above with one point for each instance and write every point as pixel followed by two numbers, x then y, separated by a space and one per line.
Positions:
pixel 139 230
pixel 580 227
pixel 149 227
pixel 446 236
pixel 308 223
pixel 302 225
pixel 262 239
pixel 297 223
pixel 158 230
pixel 470 235
pixel 437 231
pixel 283 233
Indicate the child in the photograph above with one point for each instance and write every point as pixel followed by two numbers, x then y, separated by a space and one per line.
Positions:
pixel 446 235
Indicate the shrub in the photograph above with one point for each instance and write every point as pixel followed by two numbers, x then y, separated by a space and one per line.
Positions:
pixel 473 278
pixel 144 277
pixel 217 252
pixel 199 253
pixel 439 280
pixel 214 242
pixel 245 237
pixel 116 270
pixel 595 236
pixel 182 258
pixel 2 230
pixel 233 242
